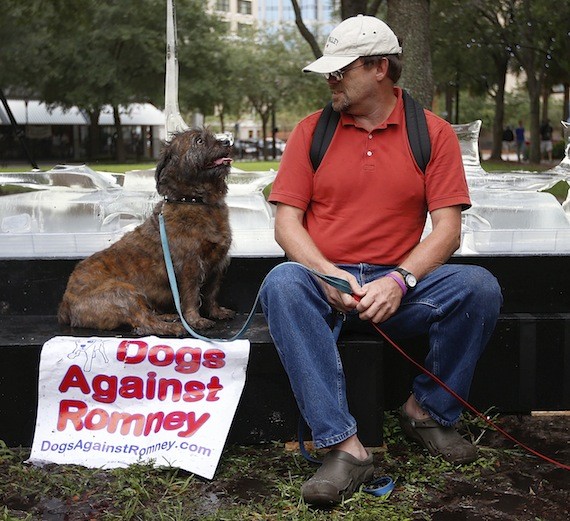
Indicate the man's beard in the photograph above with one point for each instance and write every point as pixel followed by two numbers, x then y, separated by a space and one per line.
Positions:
pixel 342 103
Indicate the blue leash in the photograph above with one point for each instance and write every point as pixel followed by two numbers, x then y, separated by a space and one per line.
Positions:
pixel 338 283
pixel 378 487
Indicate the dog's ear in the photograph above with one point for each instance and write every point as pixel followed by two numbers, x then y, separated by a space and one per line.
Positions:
pixel 164 160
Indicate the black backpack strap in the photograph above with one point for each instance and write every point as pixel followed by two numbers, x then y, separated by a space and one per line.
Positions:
pixel 416 125
pixel 324 132
pixel 418 135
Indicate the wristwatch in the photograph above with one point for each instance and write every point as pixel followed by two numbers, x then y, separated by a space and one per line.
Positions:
pixel 409 279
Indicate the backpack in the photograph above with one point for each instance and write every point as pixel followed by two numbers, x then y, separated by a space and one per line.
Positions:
pixel 508 135
pixel 416 125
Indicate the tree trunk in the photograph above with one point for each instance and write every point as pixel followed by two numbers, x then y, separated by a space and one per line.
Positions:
pixel 545 99
pixel 566 106
pixel 305 33
pixel 498 125
pixel 449 102
pixel 264 121
pixel 501 63
pixel 409 19
pixel 93 149
pixel 528 59
pixel 350 8
pixel 119 142
pixel 534 99
pixel 222 121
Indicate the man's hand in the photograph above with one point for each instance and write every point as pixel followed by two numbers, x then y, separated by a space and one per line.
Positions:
pixel 339 300
pixel 381 299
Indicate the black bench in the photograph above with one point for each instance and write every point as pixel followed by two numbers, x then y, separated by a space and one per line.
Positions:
pixel 526 366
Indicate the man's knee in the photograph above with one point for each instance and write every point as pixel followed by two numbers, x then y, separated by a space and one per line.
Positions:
pixel 283 282
pixel 483 286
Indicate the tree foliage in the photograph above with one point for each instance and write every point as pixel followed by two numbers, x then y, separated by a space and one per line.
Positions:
pixel 268 74
pixel 480 40
pixel 105 52
pixel 97 52
pixel 469 56
pixel 204 58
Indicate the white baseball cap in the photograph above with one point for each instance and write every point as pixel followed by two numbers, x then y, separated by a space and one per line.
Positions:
pixel 352 38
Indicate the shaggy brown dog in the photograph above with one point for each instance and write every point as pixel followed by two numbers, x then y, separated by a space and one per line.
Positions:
pixel 127 284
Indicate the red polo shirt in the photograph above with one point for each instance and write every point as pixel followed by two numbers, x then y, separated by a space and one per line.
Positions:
pixel 368 200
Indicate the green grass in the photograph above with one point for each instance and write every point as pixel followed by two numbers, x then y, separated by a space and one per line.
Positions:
pixel 120 168
pixel 253 166
pixel 257 166
pixel 489 166
pixel 252 483
pixel 560 190
pixel 509 166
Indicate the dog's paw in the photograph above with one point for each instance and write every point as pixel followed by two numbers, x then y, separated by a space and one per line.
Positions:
pixel 161 329
pixel 201 323
pixel 221 313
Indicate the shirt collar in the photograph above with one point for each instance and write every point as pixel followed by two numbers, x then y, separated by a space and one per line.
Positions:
pixel 395 117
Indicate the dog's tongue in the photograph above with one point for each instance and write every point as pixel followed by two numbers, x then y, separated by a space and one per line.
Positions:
pixel 223 161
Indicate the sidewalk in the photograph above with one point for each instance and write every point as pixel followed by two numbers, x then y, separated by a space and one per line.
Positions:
pixel 511 157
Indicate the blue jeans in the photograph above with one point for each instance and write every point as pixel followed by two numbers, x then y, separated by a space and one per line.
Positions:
pixel 457 306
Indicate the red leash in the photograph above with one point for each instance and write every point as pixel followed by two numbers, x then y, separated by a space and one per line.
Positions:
pixel 463 402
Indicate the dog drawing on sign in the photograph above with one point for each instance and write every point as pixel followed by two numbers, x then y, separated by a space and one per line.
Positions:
pixel 91 349
pixel 126 285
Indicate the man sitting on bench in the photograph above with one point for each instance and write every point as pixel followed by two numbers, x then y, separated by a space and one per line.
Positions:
pixel 360 217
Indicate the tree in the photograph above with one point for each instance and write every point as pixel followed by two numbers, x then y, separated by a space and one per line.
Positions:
pixel 482 39
pixel 102 53
pixel 470 54
pixel 18 52
pixel 528 31
pixel 350 8
pixel 204 53
pixel 90 53
pixel 305 32
pixel 410 20
pixel 270 77
pixel 98 52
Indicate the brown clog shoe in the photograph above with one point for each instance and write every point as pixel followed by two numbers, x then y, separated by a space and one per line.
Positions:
pixel 438 439
pixel 337 479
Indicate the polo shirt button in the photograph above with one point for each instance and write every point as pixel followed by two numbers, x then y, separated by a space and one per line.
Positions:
pixel 369 136
pixel 369 153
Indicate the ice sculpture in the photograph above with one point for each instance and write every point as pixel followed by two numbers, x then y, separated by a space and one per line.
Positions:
pixel 468 135
pixel 74 211
pixel 512 212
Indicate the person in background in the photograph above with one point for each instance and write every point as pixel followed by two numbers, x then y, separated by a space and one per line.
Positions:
pixel 519 136
pixel 508 138
pixel 546 140
pixel 360 217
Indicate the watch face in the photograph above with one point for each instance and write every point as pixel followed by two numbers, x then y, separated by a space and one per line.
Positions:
pixel 410 281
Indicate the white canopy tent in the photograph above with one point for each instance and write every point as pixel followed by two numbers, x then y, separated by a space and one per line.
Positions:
pixel 39 119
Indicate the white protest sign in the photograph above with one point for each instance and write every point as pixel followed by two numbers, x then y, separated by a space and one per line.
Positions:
pixel 111 402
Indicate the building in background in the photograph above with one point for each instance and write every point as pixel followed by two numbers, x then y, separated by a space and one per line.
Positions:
pixel 237 14
pixel 317 14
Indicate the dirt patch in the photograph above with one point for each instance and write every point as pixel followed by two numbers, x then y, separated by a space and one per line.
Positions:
pixel 518 486
pixel 262 482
